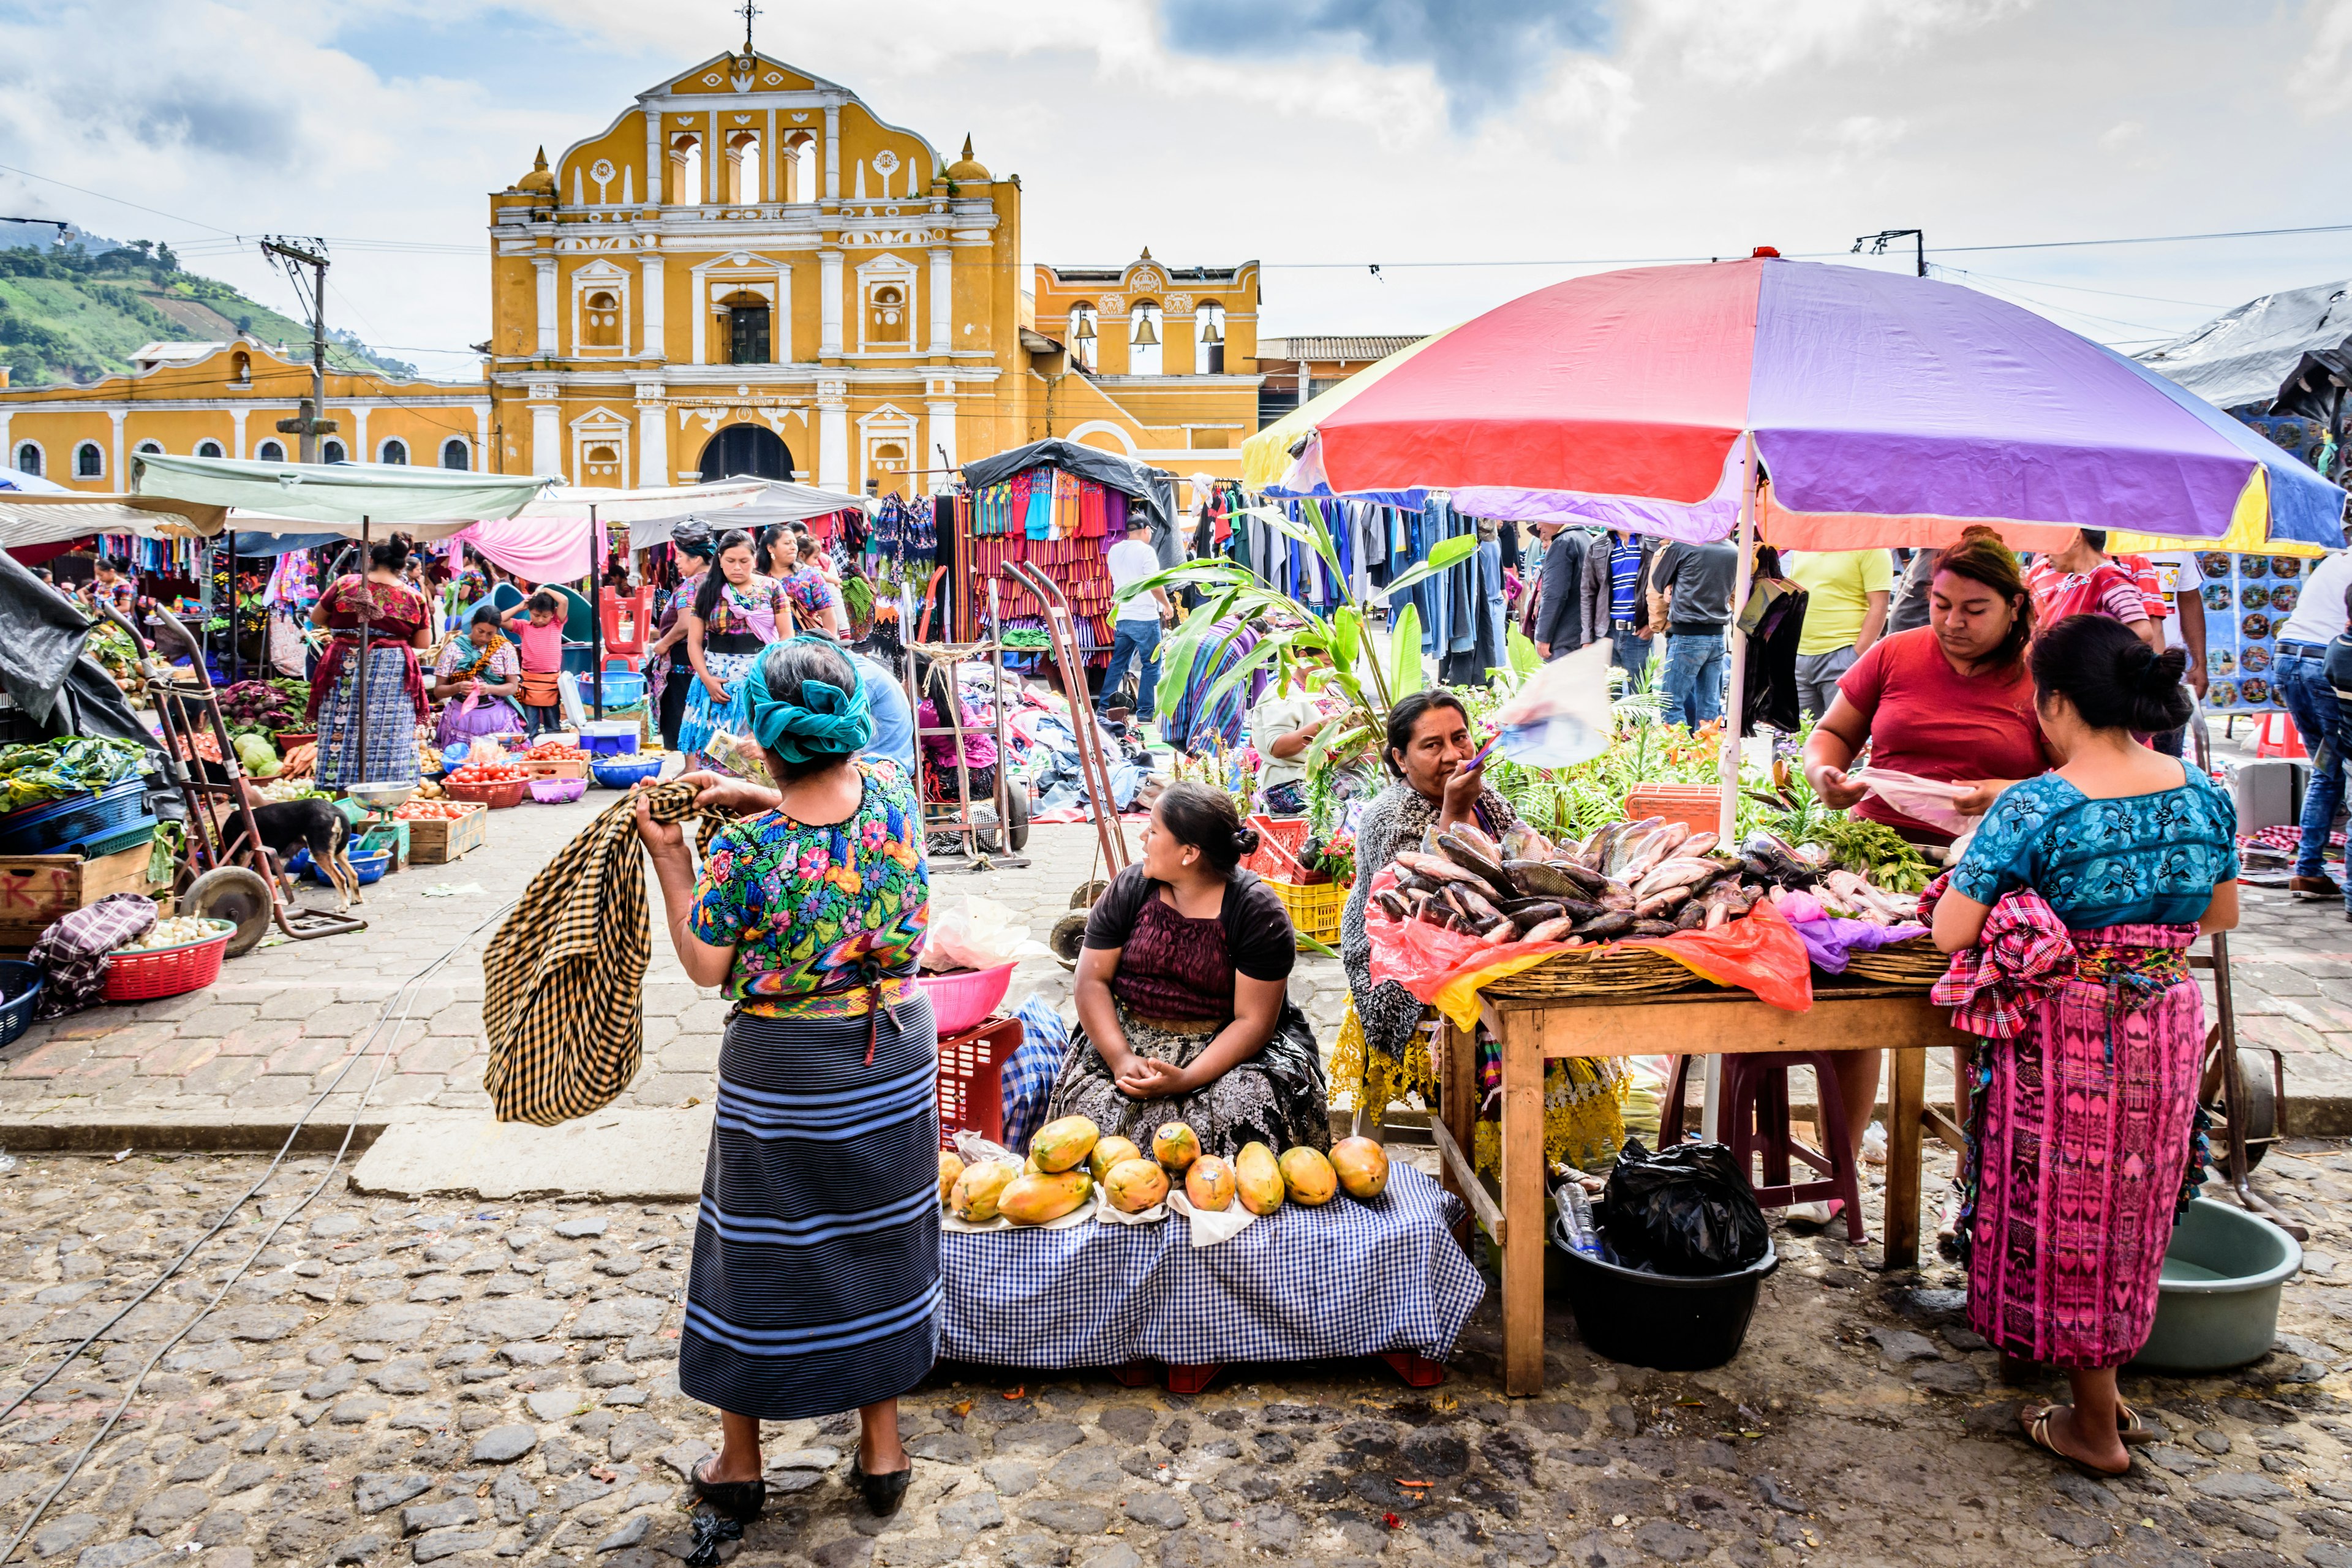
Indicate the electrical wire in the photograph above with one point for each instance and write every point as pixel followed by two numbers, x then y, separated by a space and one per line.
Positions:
pixel 406 996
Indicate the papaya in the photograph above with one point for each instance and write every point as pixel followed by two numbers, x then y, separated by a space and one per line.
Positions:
pixel 1307 1176
pixel 1064 1144
pixel 1209 1184
pixel 1257 1180
pixel 1134 1185
pixel 1035 1200
pixel 977 1191
pixel 1176 1146
pixel 1031 1166
pixel 951 1167
pixel 1111 1152
pixel 1361 1166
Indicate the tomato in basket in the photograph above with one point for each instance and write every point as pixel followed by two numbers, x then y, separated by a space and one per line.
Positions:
pixel 434 810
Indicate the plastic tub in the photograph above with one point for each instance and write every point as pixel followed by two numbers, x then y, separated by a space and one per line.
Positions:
pixel 167 971
pixel 557 791
pixel 43 829
pixel 623 688
pixel 369 864
pixel 960 998
pixel 496 795
pixel 621 773
pixel 610 737
pixel 2217 1301
pixel 20 982
pixel 1673 1322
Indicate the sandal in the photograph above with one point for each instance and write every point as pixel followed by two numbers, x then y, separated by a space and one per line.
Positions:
pixel 736 1501
pixel 2130 1428
pixel 2036 1422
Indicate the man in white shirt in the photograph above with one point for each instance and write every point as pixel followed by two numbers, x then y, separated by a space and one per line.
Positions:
pixel 2299 676
pixel 1136 617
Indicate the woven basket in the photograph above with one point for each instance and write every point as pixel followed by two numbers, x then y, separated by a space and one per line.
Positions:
pixel 1916 961
pixel 1612 969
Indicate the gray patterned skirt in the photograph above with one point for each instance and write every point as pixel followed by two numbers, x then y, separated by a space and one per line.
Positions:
pixel 1276 1098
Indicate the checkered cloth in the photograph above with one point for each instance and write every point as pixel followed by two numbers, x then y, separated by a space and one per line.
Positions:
pixel 1303 1284
pixel 72 952
pixel 1028 1078
pixel 2025 952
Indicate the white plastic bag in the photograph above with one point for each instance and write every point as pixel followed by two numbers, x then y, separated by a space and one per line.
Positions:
pixel 1923 800
pixel 1208 1229
pixel 1562 715
pixel 973 932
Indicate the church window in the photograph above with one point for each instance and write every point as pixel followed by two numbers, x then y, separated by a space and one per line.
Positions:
pixel 685 171
pixel 89 461
pixel 270 452
pixel 208 449
pixel 395 452
pixel 241 367
pixel 747 328
pixel 604 319
pixel 149 449
pixel 886 317
pixel 1209 338
pixel 801 172
pixel 29 460
pixel 744 168
pixel 453 455
pixel 332 452
pixel 890 465
pixel 604 463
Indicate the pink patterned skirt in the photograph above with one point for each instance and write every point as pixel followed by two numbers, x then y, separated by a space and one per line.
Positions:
pixel 2084 1135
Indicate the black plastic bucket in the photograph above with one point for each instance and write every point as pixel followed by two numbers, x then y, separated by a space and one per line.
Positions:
pixel 1673 1322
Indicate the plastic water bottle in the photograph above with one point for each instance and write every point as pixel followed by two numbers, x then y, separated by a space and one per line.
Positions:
pixel 1577 1210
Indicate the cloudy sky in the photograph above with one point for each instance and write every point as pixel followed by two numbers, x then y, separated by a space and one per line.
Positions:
pixel 1474 149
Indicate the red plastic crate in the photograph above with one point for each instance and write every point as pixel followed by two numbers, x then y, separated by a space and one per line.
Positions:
pixel 1279 840
pixel 971 1078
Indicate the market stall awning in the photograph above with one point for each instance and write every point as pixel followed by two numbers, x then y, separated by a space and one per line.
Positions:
pixel 631 506
pixel 28 519
pixel 334 493
pixel 1266 457
pixel 1622 399
pixel 770 501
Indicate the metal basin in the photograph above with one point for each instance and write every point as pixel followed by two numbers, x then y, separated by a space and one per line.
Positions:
pixel 2217 1300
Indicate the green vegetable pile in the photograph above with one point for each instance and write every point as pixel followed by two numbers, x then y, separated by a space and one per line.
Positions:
pixel 51 770
pixel 263 707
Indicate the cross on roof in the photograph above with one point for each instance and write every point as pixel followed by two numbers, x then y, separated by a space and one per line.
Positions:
pixel 749 11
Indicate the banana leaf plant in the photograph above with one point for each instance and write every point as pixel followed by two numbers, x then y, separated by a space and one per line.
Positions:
pixel 1362 670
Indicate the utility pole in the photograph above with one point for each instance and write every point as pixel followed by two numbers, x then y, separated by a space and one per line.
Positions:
pixel 1878 243
pixel 307 426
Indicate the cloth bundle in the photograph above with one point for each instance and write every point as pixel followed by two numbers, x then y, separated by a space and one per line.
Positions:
pixel 72 953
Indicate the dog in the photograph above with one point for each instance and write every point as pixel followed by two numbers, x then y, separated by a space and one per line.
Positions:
pixel 285 825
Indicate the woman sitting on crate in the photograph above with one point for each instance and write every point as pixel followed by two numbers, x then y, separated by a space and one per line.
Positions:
pixel 1427 751
pixel 1183 994
pixel 477 680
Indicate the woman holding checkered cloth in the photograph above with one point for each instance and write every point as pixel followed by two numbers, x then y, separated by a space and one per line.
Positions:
pixel 815 1281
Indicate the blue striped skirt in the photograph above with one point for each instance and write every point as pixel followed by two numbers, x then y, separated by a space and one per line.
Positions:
pixel 815 1281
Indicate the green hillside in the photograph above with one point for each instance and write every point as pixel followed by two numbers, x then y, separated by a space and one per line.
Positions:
pixel 68 316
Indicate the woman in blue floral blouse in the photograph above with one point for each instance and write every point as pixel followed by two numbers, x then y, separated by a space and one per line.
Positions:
pixel 815 1280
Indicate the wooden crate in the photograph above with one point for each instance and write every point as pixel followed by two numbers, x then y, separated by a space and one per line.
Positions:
pixel 564 768
pixel 37 890
pixel 433 842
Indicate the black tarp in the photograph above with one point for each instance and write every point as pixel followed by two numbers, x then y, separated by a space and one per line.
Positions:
pixel 1156 488
pixel 43 668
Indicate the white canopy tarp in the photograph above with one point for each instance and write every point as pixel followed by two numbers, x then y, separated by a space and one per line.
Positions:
pixel 662 501
pixel 331 494
pixel 773 502
pixel 29 518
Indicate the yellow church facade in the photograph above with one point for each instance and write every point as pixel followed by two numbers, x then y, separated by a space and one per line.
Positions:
pixel 752 271
pixel 748 271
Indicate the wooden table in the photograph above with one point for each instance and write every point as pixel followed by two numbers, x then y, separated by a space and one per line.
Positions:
pixel 1845 1017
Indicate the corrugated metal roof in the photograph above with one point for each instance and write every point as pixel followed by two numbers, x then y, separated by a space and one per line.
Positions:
pixel 1336 348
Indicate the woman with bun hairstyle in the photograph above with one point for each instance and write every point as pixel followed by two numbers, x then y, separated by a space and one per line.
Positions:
pixel 1183 993
pixel 2072 911
pixel 394 619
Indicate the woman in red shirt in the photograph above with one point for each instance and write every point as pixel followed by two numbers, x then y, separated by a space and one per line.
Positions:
pixel 1951 701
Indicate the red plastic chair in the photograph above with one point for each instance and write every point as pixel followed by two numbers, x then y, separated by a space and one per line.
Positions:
pixel 1756 1122
pixel 628 622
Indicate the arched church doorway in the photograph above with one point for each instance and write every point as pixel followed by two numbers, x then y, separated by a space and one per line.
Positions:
pixel 746 450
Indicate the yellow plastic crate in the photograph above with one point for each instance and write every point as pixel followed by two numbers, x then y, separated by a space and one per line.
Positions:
pixel 1314 907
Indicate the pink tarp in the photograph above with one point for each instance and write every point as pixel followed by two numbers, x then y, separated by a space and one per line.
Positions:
pixel 539 549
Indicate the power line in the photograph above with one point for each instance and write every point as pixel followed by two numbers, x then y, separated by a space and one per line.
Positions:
pixel 118 201
pixel 2079 289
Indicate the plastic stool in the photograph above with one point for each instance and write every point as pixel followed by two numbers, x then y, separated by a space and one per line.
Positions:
pixel 1755 1103
pixel 2276 736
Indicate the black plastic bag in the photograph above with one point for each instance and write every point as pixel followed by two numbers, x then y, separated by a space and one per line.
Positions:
pixel 1688 1210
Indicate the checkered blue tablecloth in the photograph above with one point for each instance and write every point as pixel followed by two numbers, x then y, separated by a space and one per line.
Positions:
pixel 1345 1279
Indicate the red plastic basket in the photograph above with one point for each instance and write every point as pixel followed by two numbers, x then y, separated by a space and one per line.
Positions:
pixel 495 795
pixel 165 971
pixel 1275 858
pixel 972 1080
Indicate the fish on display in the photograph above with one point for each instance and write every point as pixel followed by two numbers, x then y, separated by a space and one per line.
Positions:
pixel 1474 852
pixel 1435 868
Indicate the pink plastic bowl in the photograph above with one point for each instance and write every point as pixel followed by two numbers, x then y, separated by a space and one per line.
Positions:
pixel 960 998
pixel 557 791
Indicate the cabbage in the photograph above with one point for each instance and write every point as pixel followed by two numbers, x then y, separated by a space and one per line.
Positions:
pixel 255 755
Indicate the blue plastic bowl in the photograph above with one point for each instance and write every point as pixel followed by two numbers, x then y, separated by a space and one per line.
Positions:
pixel 371 868
pixel 621 773
pixel 21 984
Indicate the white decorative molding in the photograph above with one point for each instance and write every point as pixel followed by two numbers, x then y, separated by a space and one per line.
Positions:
pixel 544 297
pixel 604 427
pixel 1179 304
pixel 1145 280
pixel 873 273
pixel 595 277
pixel 1111 305
pixel 747 272
pixel 1101 426
pixel 544 392
pixel 648 392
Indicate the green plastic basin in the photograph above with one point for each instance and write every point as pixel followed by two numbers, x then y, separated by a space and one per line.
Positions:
pixel 2218 1300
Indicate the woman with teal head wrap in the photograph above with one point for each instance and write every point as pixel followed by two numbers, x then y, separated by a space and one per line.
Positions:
pixel 814 1281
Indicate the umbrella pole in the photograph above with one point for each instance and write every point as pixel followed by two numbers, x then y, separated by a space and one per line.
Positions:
pixel 1737 699
pixel 366 628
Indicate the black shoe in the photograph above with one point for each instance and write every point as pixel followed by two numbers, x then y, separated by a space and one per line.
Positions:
pixel 883 1493
pixel 739 1502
